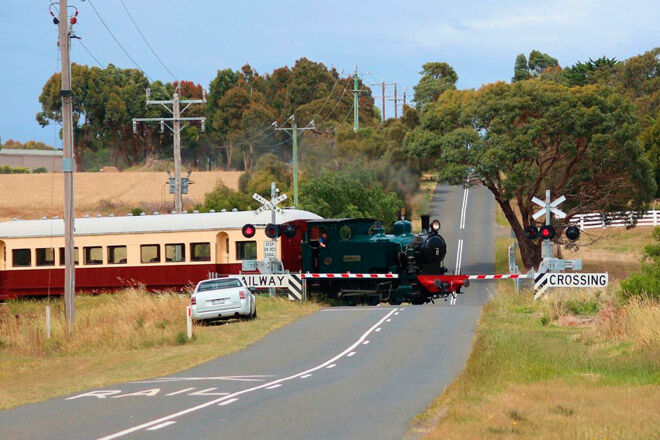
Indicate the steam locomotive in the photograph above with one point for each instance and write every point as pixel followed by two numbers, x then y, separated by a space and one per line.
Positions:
pixel 411 264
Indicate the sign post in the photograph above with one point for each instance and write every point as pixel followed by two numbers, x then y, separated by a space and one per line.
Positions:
pixel 549 208
pixel 270 248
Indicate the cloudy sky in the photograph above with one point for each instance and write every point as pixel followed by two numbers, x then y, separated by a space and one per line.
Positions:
pixel 388 40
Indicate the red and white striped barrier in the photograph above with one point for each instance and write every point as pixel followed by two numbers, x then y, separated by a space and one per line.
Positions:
pixel 349 275
pixel 497 276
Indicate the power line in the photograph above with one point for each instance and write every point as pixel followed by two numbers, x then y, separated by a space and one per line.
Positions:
pixel 117 41
pixel 146 42
pixel 90 54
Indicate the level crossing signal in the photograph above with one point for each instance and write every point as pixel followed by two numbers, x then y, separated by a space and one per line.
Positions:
pixel 249 231
pixel 547 232
pixel 272 231
pixel 531 232
pixel 572 233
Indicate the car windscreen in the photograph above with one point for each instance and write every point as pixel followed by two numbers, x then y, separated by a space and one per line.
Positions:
pixel 219 284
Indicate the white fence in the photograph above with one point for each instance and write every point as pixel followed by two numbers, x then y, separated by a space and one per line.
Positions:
pixel 591 221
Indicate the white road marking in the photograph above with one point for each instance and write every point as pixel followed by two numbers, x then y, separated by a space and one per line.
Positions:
pixel 305 376
pixel 162 425
pixel 355 309
pixel 389 320
pixel 207 392
pixel 365 342
pixel 147 393
pixel 227 402
pixel 180 391
pixel 396 313
pixel 466 191
pixel 272 387
pixel 378 329
pixel 459 257
pixel 100 394
pixel 331 366
pixel 350 354
pixel 249 390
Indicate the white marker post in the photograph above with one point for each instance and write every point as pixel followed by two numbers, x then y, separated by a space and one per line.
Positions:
pixel 48 322
pixel 189 321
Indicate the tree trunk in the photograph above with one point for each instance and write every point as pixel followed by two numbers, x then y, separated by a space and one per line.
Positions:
pixel 530 251
pixel 229 148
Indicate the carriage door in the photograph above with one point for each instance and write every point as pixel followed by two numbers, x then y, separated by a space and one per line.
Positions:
pixel 222 248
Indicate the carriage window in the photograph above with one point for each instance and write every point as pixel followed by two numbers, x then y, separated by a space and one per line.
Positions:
pixel 93 255
pixel 345 232
pixel 150 253
pixel 246 250
pixel 75 256
pixel 175 253
pixel 200 251
pixel 116 254
pixel 21 257
pixel 46 257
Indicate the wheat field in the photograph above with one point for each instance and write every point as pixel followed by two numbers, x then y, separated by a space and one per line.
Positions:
pixel 31 196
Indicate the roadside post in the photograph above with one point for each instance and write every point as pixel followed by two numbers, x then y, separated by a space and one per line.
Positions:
pixel 189 321
pixel 48 322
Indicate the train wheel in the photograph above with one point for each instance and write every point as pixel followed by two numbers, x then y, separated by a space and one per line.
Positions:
pixel 417 302
pixel 394 301
pixel 373 301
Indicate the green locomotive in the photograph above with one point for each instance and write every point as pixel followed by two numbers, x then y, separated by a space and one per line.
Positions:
pixel 361 246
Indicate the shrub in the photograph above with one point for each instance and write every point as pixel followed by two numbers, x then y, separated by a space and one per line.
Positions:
pixel 647 281
pixel 39 170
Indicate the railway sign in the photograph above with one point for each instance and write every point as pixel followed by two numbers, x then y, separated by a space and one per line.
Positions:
pixel 549 206
pixel 270 249
pixel 267 205
pixel 577 279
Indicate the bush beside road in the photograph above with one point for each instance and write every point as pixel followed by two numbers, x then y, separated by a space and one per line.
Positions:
pixel 118 337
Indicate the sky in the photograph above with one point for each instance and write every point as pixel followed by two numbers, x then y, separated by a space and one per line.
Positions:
pixel 387 40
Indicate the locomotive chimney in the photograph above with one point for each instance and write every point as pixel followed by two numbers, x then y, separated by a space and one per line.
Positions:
pixel 426 221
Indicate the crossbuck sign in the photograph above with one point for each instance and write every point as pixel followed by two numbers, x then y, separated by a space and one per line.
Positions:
pixel 267 205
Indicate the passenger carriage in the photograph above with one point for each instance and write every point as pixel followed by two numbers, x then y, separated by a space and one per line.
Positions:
pixel 157 251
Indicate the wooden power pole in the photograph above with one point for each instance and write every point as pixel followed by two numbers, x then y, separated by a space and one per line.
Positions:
pixel 67 165
pixel 176 129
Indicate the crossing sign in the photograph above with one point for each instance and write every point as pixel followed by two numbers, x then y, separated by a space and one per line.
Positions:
pixel 267 205
pixel 549 206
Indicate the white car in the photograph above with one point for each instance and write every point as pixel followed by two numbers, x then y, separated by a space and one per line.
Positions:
pixel 222 298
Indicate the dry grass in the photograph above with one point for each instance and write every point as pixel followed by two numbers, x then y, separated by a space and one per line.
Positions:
pixel 35 195
pixel 118 337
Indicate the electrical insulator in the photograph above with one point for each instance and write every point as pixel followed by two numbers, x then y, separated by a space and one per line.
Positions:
pixel 162 126
pixel 134 127
pixel 203 126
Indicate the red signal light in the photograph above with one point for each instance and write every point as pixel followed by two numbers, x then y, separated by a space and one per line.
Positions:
pixel 272 231
pixel 249 231
pixel 547 232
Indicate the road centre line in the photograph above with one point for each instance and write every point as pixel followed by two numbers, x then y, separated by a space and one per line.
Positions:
pixel 331 366
pixel 227 402
pixel 162 425
pixel 350 354
pixel 254 378
pixel 466 191
pixel 305 376
pixel 378 329
pixel 147 425
pixel 272 387
pixel 365 342
pixel 459 257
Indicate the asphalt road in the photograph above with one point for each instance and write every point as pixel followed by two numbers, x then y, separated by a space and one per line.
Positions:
pixel 341 373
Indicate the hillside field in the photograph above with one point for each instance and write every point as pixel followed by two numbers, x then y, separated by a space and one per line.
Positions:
pixel 31 196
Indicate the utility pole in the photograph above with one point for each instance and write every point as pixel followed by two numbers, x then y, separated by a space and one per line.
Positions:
pixel 294 135
pixel 67 164
pixel 396 103
pixel 175 128
pixel 384 97
pixel 383 92
pixel 356 121
pixel 404 99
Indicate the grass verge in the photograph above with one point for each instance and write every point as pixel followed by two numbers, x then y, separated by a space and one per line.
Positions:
pixel 118 337
pixel 579 365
